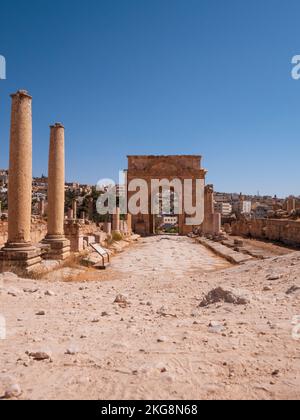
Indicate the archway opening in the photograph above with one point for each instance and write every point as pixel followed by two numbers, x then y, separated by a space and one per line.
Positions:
pixel 165 217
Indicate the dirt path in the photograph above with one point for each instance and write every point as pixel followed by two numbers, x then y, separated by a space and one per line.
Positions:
pixel 167 255
pixel 160 344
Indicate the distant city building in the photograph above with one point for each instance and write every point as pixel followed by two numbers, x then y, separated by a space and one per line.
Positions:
pixel 242 207
pixel 223 208
pixel 261 211
pixel 222 197
pixel 3 177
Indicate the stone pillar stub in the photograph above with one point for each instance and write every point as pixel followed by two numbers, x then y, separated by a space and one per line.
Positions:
pixel 129 223
pixel 70 214
pixel 212 220
pixel 116 221
pixel 107 228
pixel 42 208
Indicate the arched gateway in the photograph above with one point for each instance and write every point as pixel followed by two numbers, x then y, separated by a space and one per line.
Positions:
pixel 148 168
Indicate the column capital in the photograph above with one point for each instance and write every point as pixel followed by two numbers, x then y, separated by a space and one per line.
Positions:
pixel 57 125
pixel 21 93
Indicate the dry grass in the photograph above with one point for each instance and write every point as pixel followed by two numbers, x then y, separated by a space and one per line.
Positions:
pixel 89 275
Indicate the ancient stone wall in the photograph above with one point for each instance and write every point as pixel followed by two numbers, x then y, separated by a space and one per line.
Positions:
pixel 76 230
pixel 38 231
pixel 285 231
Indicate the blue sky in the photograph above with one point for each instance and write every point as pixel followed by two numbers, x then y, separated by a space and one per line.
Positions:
pixel 208 77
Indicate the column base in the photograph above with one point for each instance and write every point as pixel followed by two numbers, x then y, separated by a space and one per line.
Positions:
pixel 59 248
pixel 20 259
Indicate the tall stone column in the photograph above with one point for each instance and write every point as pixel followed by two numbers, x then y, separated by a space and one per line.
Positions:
pixel 59 245
pixel 116 221
pixel 70 214
pixel 129 223
pixel 19 254
pixel 208 223
pixel 91 208
pixel 291 205
pixel 42 208
pixel 74 207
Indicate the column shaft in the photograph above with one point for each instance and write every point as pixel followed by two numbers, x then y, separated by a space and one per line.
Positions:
pixel 56 181
pixel 20 170
pixel 18 254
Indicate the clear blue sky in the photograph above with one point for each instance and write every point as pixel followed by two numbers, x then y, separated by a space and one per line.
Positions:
pixel 208 77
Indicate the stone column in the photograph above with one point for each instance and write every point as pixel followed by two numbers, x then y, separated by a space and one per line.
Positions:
pixel 116 221
pixel 291 205
pixel 59 245
pixel 107 228
pixel 42 208
pixel 129 223
pixel 209 199
pixel 19 254
pixel 70 214
pixel 91 208
pixel 208 223
pixel 74 207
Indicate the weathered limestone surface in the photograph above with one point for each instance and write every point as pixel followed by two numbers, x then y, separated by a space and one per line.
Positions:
pixel 116 221
pixel 60 246
pixel 224 252
pixel 19 254
pixel 107 228
pixel 129 223
pixel 37 234
pixel 42 208
pixel 285 231
pixel 212 220
pixel 70 214
pixel 291 205
pixel 180 167
pixel 74 208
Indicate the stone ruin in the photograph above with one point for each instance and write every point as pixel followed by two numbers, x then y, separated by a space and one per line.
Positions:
pixel 58 238
pixel 64 235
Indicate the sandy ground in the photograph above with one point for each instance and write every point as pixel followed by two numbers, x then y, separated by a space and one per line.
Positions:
pixel 161 344
pixel 270 249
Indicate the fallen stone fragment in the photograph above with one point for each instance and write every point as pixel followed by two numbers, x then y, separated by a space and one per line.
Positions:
pixel 215 327
pixel 121 300
pixel 292 290
pixel 95 320
pixel 13 391
pixel 9 387
pixel 164 312
pixel 28 290
pixel 13 291
pixel 40 355
pixel 72 350
pixel 273 277
pixel 49 293
pixel 221 295
pixel 41 313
